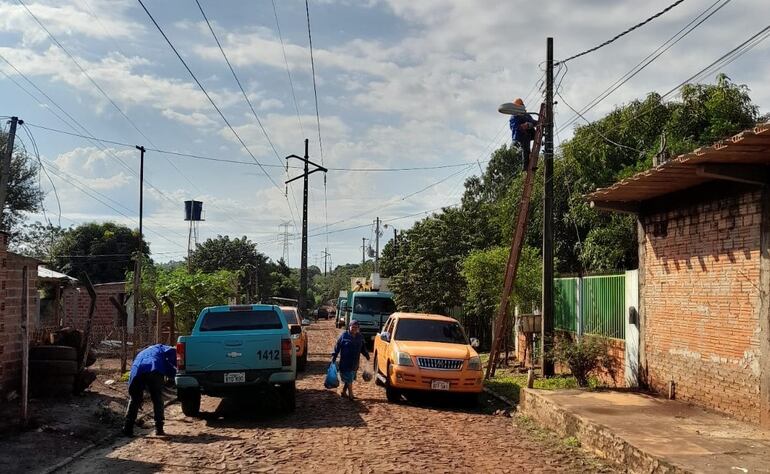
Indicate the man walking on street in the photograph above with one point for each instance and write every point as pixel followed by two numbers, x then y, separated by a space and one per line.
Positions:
pixel 523 132
pixel 349 347
pixel 148 371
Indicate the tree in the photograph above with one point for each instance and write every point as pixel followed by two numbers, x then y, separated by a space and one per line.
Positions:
pixel 238 255
pixel 24 194
pixel 103 250
pixel 38 240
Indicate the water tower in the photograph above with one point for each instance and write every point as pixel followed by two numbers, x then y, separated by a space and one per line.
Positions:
pixel 193 213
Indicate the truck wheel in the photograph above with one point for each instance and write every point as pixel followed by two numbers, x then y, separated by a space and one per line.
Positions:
pixel 43 367
pixel 376 367
pixel 51 386
pixel 470 400
pixel 392 394
pixel 52 353
pixel 289 396
pixel 302 361
pixel 190 400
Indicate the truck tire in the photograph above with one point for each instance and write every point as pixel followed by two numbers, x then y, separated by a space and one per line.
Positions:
pixel 289 396
pixel 51 385
pixel 52 353
pixel 190 400
pixel 302 361
pixel 41 368
pixel 377 372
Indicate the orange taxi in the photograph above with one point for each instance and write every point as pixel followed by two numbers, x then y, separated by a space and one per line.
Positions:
pixel 426 352
pixel 300 340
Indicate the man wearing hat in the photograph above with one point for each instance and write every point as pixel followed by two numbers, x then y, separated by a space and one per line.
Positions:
pixel 350 346
pixel 523 132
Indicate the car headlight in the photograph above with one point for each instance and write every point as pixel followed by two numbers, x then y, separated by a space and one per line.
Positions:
pixel 474 363
pixel 404 358
pixel 295 336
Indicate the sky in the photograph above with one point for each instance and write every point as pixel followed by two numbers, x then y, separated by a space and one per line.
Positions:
pixel 400 84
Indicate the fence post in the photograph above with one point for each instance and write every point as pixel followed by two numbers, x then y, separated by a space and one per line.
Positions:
pixel 579 306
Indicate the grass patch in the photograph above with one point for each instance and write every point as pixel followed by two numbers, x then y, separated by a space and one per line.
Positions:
pixel 571 442
pixel 125 376
pixel 508 385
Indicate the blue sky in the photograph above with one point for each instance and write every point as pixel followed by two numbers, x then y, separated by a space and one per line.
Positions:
pixel 400 83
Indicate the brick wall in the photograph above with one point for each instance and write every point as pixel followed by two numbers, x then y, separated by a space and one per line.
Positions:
pixel 701 301
pixel 75 304
pixel 11 287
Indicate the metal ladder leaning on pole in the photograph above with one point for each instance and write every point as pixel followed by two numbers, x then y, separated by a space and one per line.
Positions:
pixel 516 244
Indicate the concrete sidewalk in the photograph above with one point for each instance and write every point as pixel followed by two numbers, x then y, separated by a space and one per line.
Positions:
pixel 649 434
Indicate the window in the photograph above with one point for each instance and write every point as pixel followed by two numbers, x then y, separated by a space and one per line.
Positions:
pixel 374 306
pixel 430 330
pixel 388 326
pixel 241 320
pixel 291 316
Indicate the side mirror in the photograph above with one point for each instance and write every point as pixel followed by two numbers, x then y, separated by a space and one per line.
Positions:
pixel 475 342
pixel 295 329
pixel 305 322
pixel 385 337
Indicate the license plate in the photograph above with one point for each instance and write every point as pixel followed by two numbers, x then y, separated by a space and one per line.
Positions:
pixel 439 385
pixel 235 377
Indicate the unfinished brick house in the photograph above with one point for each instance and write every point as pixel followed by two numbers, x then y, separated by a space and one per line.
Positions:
pixel 704 273
pixel 12 300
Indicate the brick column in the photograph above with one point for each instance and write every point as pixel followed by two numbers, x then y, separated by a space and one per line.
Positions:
pixel 764 313
pixel 5 336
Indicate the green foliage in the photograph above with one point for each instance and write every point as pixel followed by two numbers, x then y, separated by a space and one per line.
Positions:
pixel 509 385
pixel 103 250
pixel 191 292
pixel 238 255
pixel 37 240
pixel 583 356
pixel 24 194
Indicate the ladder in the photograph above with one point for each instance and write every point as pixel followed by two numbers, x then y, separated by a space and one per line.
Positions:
pixel 501 325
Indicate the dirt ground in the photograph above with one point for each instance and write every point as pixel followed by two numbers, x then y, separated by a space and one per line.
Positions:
pixel 327 433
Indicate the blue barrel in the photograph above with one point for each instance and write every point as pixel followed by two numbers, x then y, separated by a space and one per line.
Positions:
pixel 193 210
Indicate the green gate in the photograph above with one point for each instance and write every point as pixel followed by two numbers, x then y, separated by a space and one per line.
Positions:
pixel 602 299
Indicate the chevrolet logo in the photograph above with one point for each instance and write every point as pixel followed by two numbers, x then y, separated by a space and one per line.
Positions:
pixel 233 355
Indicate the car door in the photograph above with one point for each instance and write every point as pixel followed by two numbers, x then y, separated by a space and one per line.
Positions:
pixel 382 352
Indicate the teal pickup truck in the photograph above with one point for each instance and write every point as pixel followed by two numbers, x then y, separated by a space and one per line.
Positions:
pixel 234 350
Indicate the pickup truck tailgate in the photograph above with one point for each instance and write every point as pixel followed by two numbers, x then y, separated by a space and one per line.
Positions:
pixel 218 352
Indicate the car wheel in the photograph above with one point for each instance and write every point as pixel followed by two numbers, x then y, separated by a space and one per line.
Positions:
pixel 53 353
pixel 289 396
pixel 377 373
pixel 190 400
pixel 302 361
pixel 392 394
pixel 470 400
pixel 52 367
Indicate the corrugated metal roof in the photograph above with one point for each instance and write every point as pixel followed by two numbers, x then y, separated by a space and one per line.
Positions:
pixel 750 147
pixel 44 273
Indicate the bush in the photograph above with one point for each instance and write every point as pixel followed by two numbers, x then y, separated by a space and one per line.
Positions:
pixel 583 355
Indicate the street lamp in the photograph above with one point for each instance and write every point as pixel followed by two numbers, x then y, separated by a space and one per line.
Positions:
pixel 395 238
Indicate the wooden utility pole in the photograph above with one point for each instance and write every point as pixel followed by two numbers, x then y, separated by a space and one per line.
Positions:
pixel 377 245
pixel 302 300
pixel 363 250
pixel 139 255
pixel 6 166
pixel 547 302
pixel 24 346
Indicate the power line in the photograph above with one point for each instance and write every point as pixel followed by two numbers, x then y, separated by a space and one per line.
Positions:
pixel 620 35
pixel 40 162
pixel 665 46
pixel 288 70
pixel 245 96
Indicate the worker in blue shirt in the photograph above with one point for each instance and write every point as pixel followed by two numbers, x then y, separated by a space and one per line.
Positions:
pixel 350 346
pixel 148 371
pixel 523 132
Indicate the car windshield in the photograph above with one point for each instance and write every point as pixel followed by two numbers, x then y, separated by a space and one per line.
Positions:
pixel 241 320
pixel 374 306
pixel 291 316
pixel 430 330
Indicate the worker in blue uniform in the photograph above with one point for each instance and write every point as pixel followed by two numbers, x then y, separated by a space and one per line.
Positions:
pixel 523 132
pixel 148 371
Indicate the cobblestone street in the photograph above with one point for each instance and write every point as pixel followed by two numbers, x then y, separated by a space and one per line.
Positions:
pixel 330 434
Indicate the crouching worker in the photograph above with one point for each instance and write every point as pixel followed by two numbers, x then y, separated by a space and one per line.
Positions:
pixel 148 371
pixel 349 347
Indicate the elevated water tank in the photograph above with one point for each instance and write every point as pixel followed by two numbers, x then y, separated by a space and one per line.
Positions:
pixel 193 210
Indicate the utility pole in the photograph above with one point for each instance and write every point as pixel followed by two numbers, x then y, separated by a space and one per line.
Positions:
pixel 326 255
pixel 138 261
pixel 302 303
pixel 547 302
pixel 377 246
pixel 6 168
pixel 363 250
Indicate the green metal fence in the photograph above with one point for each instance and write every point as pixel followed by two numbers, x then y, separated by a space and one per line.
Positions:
pixel 600 308
pixel 603 301
pixel 565 304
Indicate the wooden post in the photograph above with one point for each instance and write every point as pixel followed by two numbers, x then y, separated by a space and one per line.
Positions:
pixel 121 307
pixel 172 327
pixel 24 347
pixel 89 321
pixel 158 317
